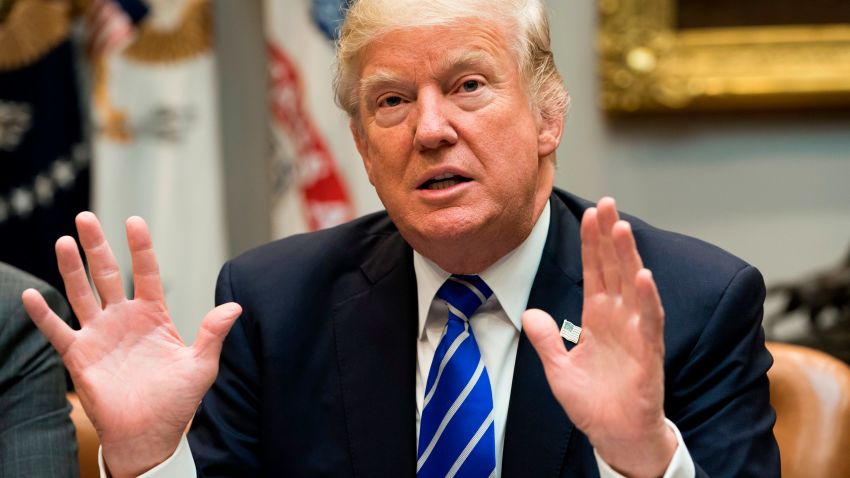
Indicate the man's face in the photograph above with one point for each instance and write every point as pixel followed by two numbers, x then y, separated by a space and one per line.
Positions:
pixel 451 140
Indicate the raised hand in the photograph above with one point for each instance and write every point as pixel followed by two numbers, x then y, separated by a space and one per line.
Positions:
pixel 611 384
pixel 137 380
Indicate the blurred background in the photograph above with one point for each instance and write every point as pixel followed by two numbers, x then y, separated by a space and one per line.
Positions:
pixel 215 121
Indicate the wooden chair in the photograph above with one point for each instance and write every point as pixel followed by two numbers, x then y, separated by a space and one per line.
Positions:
pixel 810 391
pixel 87 440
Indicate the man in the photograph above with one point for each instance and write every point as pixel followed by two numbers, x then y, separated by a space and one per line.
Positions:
pixel 36 434
pixel 360 351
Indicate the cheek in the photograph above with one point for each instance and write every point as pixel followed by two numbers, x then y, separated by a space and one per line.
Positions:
pixel 388 148
pixel 514 163
pixel 509 124
pixel 511 149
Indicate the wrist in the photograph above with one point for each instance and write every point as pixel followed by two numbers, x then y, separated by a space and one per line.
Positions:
pixel 647 457
pixel 136 457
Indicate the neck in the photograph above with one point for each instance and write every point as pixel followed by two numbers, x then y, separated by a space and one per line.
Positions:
pixel 468 260
pixel 474 255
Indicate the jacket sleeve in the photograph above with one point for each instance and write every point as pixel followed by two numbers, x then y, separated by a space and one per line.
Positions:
pixel 720 398
pixel 224 437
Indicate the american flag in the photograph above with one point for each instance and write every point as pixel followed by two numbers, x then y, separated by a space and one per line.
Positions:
pixel 570 331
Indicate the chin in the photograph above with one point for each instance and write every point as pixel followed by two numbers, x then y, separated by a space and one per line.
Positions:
pixel 452 223
pixel 440 229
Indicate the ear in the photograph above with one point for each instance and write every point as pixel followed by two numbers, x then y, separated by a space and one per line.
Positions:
pixel 549 135
pixel 362 147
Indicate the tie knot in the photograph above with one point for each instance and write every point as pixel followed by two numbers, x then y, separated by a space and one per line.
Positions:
pixel 464 294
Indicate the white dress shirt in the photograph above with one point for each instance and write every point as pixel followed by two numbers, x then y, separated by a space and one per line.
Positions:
pixel 496 326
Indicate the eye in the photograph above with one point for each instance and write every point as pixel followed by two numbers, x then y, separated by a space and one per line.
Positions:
pixel 469 86
pixel 390 101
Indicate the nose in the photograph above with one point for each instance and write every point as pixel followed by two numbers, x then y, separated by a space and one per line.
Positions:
pixel 433 128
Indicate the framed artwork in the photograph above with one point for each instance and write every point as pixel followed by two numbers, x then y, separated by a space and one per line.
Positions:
pixel 675 55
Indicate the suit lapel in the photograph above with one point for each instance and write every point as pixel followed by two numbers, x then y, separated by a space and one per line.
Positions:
pixel 537 430
pixel 375 333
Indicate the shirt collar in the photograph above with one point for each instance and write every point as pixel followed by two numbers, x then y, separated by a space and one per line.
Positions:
pixel 510 277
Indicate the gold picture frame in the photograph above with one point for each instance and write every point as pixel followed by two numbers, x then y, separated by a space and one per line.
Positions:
pixel 649 65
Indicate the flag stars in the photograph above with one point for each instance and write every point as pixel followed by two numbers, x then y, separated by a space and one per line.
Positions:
pixel 23 202
pixel 80 155
pixel 63 173
pixel 15 121
pixel 44 190
pixel 41 192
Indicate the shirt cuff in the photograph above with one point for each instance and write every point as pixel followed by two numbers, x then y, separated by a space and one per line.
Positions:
pixel 681 465
pixel 179 465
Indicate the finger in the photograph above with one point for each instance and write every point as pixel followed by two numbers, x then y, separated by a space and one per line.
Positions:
pixel 629 260
pixel 593 281
pixel 76 281
pixel 609 263
pixel 542 332
pixel 102 264
pixel 651 310
pixel 146 280
pixel 214 329
pixel 55 329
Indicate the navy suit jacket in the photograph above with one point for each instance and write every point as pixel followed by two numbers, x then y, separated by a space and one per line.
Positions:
pixel 317 377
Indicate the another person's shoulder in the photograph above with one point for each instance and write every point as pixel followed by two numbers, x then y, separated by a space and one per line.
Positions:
pixel 13 282
pixel 14 278
pixel 38 438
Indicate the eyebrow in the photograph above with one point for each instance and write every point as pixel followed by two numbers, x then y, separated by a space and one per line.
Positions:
pixel 449 64
pixel 376 80
pixel 466 59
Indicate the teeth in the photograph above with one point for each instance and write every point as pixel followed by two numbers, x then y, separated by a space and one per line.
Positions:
pixel 444 184
pixel 443 176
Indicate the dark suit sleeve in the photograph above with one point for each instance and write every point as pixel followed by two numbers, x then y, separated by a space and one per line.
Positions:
pixel 224 437
pixel 36 434
pixel 720 399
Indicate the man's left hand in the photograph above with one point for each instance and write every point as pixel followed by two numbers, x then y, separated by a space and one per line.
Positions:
pixel 611 384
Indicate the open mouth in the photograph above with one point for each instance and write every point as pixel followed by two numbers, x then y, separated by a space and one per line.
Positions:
pixel 443 181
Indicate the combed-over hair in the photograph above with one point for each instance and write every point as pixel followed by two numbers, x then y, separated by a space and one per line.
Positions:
pixel 368 19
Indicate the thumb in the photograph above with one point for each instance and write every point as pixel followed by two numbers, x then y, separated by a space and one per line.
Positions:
pixel 214 329
pixel 542 332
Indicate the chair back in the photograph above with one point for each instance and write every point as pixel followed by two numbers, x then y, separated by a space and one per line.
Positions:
pixel 810 392
pixel 87 440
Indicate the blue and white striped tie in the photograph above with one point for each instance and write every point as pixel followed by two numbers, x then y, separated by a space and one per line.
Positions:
pixel 456 435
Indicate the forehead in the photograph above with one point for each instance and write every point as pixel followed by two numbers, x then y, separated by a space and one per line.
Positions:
pixel 436 48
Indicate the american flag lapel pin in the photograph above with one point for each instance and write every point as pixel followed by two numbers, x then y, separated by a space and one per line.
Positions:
pixel 570 331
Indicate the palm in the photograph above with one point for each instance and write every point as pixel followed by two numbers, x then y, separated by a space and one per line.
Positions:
pixel 123 360
pixel 137 380
pixel 611 384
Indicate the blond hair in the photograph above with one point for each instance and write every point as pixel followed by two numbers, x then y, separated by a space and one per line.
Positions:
pixel 368 19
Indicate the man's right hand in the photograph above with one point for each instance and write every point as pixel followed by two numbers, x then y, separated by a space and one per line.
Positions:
pixel 138 382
